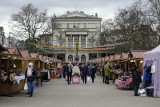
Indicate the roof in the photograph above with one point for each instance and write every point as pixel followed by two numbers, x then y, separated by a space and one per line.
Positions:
pixel 25 54
pixel 76 14
pixel 106 58
pixel 111 57
pixel 137 54
pixel 117 56
pixel 34 55
pixel 124 56
pixel 40 57
pixel 103 59
pixel 45 58
pixel 12 51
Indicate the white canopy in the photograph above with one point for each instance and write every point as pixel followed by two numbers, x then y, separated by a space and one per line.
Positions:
pixel 154 55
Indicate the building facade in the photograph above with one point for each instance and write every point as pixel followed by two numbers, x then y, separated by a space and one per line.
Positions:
pixel 75 28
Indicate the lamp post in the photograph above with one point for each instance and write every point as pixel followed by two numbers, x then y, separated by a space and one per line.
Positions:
pixel 76 58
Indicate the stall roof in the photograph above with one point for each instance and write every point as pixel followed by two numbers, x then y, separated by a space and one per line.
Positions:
pixel 124 56
pixel 45 58
pixel 106 58
pixel 138 54
pixel 34 55
pixel 40 57
pixel 12 52
pixel 25 54
pixel 117 56
pixel 103 59
pixel 111 57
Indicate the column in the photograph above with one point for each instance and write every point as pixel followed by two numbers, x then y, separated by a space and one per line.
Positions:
pixel 97 55
pixel 66 57
pixel 73 42
pixel 79 41
pixel 79 57
pixel 87 57
pixel 67 41
pixel 86 41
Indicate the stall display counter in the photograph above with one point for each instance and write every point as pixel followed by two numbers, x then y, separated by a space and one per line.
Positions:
pixel 123 83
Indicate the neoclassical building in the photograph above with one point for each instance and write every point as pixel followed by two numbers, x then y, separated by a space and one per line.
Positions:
pixel 74 28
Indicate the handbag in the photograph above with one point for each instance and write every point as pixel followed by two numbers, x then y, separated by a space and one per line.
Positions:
pixel 88 78
pixel 25 86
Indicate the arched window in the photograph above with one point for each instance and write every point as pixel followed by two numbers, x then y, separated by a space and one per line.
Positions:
pixel 70 58
pixel 83 58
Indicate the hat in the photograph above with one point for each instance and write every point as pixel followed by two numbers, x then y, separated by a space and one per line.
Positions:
pixel 31 64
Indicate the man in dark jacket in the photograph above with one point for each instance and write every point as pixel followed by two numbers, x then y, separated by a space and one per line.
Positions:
pixel 69 73
pixel 93 72
pixel 136 78
pixel 84 73
pixel 30 75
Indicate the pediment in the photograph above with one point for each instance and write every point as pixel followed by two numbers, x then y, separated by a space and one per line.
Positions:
pixel 76 14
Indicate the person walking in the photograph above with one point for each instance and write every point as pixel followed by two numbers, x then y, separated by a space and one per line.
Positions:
pixel 102 73
pixel 106 73
pixel 84 73
pixel 93 72
pixel 64 70
pixel 30 76
pixel 69 73
pixel 136 78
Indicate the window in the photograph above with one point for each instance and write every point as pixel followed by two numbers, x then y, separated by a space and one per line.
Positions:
pixel 83 41
pixel 83 58
pixel 76 39
pixel 70 41
pixel 67 25
pixel 85 25
pixel 70 58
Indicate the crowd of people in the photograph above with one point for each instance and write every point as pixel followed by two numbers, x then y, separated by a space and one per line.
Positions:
pixel 83 71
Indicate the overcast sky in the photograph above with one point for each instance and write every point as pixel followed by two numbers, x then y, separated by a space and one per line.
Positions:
pixel 105 8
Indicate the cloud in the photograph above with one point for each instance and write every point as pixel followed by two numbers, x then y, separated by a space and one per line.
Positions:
pixel 104 8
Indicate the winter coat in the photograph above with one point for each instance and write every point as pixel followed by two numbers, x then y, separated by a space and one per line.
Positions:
pixel 106 70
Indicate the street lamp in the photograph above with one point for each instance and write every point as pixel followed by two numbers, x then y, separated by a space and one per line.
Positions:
pixel 77 45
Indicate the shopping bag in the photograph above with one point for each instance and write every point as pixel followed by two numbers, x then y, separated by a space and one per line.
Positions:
pixel 25 86
pixel 142 92
pixel 88 78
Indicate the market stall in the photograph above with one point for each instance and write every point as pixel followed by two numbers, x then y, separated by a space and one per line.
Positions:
pixel 36 63
pixel 124 80
pixel 45 71
pixel 153 58
pixel 12 81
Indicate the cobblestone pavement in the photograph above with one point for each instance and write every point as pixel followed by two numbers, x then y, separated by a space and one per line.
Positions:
pixel 56 93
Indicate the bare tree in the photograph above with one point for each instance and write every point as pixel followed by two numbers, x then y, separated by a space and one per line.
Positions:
pixel 155 14
pixel 29 22
pixel 135 26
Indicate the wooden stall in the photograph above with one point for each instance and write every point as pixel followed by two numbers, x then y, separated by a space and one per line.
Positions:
pixel 12 82
pixel 36 63
pixel 35 60
pixel 124 61
pixel 26 58
pixel 116 59
pixel 45 71
pixel 2 71
pixel 137 57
